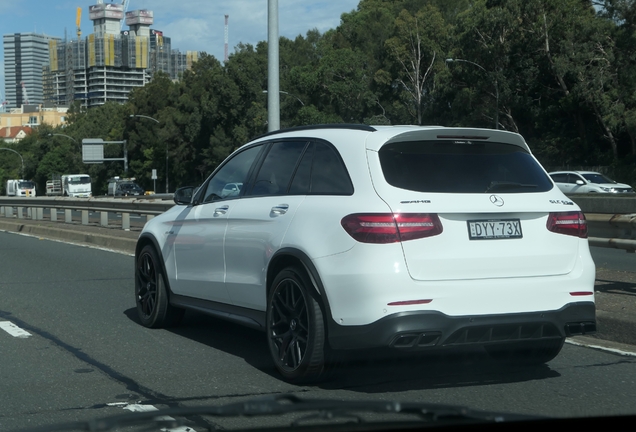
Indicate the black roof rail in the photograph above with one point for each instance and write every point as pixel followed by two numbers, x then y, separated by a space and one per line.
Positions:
pixel 351 126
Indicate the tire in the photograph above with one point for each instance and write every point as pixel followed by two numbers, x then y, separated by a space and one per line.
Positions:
pixel 528 353
pixel 295 328
pixel 151 293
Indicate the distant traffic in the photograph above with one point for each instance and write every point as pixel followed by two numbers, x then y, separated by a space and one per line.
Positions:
pixel 74 186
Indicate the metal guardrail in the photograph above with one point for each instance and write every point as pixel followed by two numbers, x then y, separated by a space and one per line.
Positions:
pixel 605 228
pixel 149 206
pixel 612 231
pixel 611 219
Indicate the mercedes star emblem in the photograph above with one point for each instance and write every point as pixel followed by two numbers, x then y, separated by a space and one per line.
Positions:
pixel 496 200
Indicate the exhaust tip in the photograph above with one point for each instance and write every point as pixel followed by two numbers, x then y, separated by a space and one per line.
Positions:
pixel 415 340
pixel 580 328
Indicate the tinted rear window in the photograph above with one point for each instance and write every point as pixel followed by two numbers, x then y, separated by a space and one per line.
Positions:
pixel 462 167
pixel 321 172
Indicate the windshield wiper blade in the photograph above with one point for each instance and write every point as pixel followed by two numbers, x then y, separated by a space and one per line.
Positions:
pixel 500 185
pixel 281 404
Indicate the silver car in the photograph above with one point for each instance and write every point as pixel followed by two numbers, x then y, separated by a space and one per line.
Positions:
pixel 587 182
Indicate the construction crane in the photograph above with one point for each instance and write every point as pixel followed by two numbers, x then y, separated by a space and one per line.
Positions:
pixel 227 17
pixel 3 102
pixel 78 21
pixel 124 3
pixel 25 95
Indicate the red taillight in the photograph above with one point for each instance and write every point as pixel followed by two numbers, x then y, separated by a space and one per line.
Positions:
pixel 391 228
pixel 569 223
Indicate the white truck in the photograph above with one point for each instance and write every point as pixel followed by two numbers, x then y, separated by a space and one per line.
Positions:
pixel 76 185
pixel 20 188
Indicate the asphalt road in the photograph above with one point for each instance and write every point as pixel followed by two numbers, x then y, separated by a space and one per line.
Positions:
pixel 613 259
pixel 86 356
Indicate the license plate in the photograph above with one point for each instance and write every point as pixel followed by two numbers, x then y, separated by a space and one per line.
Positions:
pixel 494 229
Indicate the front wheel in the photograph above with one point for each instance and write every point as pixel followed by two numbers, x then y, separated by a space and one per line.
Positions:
pixel 526 353
pixel 295 327
pixel 151 292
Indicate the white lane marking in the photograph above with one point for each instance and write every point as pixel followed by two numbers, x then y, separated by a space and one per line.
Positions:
pixel 14 330
pixel 140 408
pixel 148 408
pixel 602 348
pixel 72 243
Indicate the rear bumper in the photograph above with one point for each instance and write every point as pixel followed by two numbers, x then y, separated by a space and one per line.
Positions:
pixel 427 329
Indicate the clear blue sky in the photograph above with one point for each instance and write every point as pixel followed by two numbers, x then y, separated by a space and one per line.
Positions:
pixel 193 25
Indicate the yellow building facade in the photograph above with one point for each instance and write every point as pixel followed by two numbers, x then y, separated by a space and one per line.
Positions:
pixel 33 116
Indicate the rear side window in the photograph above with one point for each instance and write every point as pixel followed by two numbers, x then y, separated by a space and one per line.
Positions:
pixel 321 172
pixel 462 167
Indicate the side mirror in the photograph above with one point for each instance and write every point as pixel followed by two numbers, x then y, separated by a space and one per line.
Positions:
pixel 580 182
pixel 184 195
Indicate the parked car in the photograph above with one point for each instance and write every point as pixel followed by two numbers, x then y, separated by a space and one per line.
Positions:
pixel 587 182
pixel 351 237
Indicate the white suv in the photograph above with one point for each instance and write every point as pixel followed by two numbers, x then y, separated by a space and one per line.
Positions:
pixel 347 237
pixel 587 182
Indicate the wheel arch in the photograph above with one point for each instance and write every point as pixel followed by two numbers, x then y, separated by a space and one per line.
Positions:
pixel 287 257
pixel 146 239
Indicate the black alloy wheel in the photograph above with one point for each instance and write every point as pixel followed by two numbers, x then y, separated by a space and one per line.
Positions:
pixel 151 293
pixel 295 327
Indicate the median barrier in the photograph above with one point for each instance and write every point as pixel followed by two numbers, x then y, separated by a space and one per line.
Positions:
pixel 611 219
pixel 125 207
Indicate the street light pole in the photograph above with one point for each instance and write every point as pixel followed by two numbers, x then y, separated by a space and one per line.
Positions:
pixel 62 135
pixel 21 159
pixel 156 121
pixel 451 60
pixel 273 70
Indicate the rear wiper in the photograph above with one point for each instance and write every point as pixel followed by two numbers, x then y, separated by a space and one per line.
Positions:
pixel 502 185
pixel 281 404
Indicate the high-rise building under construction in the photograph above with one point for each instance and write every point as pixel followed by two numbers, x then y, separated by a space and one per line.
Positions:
pixel 107 64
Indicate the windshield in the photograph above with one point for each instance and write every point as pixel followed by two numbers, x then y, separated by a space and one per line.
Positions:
pixel 597 178
pixel 332 211
pixel 79 180
pixel 129 186
pixel 26 185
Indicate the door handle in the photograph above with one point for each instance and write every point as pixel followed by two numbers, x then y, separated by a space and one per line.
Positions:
pixel 280 209
pixel 221 210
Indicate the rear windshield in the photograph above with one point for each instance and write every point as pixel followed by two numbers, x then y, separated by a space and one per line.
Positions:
pixel 462 167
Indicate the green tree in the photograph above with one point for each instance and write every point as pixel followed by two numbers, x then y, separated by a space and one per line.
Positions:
pixel 418 48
